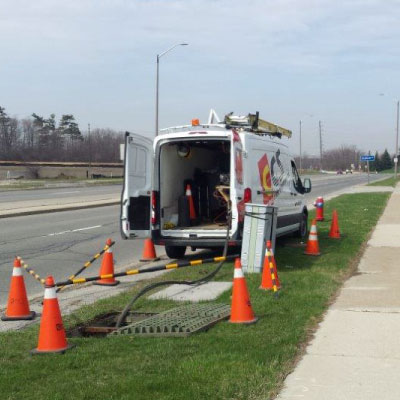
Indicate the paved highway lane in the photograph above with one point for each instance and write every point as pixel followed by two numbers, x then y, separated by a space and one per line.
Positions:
pixel 323 185
pixel 59 243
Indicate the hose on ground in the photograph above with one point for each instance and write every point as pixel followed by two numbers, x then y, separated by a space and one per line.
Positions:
pixel 152 286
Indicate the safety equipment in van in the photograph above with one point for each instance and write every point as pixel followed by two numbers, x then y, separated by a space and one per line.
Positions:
pixel 192 211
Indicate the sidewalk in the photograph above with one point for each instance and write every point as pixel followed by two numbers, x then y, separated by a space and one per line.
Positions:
pixel 18 208
pixel 355 354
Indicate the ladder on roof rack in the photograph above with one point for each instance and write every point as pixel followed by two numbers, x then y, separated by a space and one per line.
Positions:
pixel 253 123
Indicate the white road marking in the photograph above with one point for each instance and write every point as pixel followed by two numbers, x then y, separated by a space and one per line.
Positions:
pixel 62 193
pixel 73 230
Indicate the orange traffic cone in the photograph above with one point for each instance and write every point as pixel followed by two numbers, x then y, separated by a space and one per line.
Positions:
pixel 52 338
pixel 107 268
pixel 149 252
pixel 18 305
pixel 238 263
pixel 312 248
pixel 267 283
pixel 334 233
pixel 192 211
pixel 241 310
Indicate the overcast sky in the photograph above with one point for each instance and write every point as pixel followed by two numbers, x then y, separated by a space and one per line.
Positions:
pixel 288 59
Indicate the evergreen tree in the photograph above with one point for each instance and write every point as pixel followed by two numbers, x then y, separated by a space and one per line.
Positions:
pixel 386 161
pixel 374 165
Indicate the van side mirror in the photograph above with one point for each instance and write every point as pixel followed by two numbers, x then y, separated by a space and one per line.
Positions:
pixel 307 185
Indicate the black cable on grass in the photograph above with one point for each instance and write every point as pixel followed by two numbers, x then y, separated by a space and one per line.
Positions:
pixel 152 286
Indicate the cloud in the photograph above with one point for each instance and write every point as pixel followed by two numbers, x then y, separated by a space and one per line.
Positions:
pixel 285 55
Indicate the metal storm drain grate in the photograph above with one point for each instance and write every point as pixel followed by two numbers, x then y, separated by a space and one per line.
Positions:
pixel 179 321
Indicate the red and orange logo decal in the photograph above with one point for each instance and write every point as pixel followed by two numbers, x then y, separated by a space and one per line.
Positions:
pixel 265 178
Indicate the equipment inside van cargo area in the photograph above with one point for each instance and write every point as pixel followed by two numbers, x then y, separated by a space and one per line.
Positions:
pixel 203 167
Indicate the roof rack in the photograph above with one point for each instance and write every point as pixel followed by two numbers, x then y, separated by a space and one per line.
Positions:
pixel 253 123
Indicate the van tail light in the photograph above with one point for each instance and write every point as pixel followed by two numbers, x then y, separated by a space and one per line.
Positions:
pixel 247 195
pixel 153 207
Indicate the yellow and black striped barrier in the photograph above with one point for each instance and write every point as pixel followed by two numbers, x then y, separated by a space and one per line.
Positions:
pixel 271 268
pixel 31 271
pixel 179 264
pixel 87 264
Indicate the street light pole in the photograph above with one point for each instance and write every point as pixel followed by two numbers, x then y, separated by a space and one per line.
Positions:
pixel 157 77
pixel 300 145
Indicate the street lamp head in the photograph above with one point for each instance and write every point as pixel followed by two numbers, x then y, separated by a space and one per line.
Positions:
pixel 184 44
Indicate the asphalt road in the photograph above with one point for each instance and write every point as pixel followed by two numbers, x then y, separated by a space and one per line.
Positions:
pixel 60 243
pixel 323 185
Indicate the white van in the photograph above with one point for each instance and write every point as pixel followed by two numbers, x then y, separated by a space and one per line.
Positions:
pixel 225 165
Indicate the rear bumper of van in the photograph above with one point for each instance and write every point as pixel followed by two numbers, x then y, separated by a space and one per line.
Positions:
pixel 194 242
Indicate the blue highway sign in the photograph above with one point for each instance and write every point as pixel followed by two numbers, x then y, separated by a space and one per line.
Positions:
pixel 367 158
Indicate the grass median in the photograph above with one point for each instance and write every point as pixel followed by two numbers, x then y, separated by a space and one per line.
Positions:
pixel 386 182
pixel 227 362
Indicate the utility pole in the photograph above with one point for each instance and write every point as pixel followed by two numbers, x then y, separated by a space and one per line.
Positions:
pixel 300 146
pixel 396 159
pixel 320 144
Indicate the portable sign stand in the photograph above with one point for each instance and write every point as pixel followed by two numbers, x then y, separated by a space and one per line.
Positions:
pixel 367 158
pixel 259 226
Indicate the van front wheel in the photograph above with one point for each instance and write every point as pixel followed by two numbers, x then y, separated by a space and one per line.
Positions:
pixel 303 229
pixel 175 251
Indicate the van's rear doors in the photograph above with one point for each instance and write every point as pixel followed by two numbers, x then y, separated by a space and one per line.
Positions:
pixel 138 172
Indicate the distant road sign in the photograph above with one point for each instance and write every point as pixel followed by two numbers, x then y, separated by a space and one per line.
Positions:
pixel 367 158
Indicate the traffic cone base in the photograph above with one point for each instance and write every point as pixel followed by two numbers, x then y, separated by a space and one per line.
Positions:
pixel 52 337
pixel 18 304
pixel 60 351
pixel 312 254
pixel 149 252
pixel 27 317
pixel 107 268
pixel 241 309
pixel 103 282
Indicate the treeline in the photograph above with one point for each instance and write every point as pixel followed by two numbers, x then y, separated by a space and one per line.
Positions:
pixel 45 139
pixel 345 157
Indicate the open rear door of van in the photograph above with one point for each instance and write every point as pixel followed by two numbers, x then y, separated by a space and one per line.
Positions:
pixel 136 192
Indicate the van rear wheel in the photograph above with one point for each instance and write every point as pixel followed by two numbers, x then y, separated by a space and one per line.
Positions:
pixel 175 251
